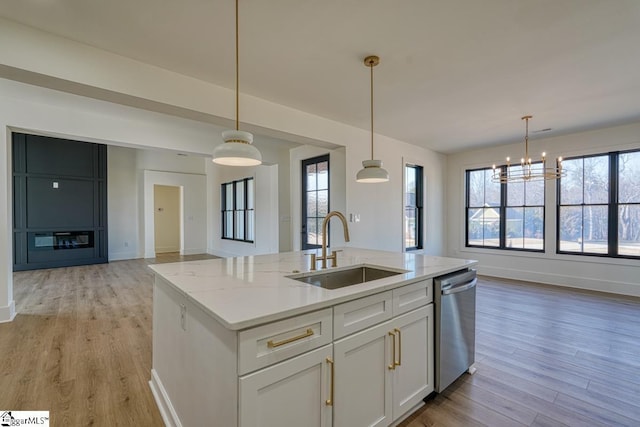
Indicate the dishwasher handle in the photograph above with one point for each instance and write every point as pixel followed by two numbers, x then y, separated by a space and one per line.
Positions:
pixel 460 288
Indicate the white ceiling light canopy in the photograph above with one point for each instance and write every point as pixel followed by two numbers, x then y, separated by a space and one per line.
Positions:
pixel 237 149
pixel 372 171
pixel 528 170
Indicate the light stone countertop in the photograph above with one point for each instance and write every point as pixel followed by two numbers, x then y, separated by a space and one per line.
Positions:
pixel 247 291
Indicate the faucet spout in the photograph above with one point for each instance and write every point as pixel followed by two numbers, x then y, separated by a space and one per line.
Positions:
pixel 345 228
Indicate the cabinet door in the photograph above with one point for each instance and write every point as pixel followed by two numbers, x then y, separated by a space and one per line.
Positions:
pixel 413 378
pixel 291 393
pixel 363 378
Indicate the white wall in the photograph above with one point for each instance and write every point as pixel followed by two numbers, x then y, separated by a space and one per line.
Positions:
pixel 194 210
pixel 380 206
pixel 122 203
pixel 125 189
pixel 604 274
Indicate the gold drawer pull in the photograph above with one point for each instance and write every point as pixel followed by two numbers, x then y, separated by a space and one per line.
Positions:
pixel 392 367
pixel 399 361
pixel 272 344
pixel 329 401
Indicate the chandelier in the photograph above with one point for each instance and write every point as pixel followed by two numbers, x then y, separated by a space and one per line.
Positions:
pixel 527 170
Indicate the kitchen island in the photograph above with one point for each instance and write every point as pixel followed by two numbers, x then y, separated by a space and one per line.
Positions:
pixel 238 342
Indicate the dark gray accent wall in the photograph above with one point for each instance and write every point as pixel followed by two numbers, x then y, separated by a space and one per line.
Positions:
pixel 59 202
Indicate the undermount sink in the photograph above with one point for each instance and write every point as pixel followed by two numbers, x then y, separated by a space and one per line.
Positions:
pixel 336 279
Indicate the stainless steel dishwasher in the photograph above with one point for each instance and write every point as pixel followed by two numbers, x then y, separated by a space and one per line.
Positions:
pixel 455 323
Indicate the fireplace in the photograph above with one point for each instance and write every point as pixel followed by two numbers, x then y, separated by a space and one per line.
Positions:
pixel 57 240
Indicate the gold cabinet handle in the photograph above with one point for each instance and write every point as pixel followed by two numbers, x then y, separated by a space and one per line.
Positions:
pixel 272 344
pixel 399 361
pixel 329 401
pixel 393 345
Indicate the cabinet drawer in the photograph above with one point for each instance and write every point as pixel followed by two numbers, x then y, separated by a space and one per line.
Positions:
pixel 271 343
pixel 412 296
pixel 354 316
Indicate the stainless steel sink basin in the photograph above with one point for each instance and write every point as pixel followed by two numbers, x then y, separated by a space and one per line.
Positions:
pixel 340 278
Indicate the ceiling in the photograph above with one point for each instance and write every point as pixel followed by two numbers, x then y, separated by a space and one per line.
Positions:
pixel 454 74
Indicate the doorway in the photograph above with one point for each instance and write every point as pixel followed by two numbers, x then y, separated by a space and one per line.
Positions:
pixel 167 217
pixel 315 200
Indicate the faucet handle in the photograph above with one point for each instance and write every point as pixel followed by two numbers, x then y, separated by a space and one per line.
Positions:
pixel 334 257
pixel 313 262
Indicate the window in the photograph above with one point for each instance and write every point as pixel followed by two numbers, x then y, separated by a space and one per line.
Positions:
pixel 315 200
pixel 504 216
pixel 413 192
pixel 599 205
pixel 238 210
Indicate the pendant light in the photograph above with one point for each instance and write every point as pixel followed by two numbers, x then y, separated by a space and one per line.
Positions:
pixel 372 171
pixel 528 170
pixel 237 149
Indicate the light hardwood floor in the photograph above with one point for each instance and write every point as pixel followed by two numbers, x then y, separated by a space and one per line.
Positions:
pixel 80 347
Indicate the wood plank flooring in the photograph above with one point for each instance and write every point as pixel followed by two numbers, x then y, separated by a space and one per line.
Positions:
pixel 80 347
pixel 546 356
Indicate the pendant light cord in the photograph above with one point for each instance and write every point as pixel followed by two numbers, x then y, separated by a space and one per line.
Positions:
pixel 371 68
pixel 237 71
pixel 526 140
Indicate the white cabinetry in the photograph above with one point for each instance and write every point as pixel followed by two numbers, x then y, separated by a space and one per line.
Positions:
pixel 365 362
pixel 291 393
pixel 384 371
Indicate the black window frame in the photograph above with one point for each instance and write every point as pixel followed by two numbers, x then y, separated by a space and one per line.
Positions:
pixel 612 207
pixel 304 245
pixel 502 211
pixel 418 207
pixel 235 210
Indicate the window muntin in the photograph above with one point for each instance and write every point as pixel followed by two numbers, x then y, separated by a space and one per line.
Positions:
pixel 413 207
pixel 238 210
pixel 629 204
pixel 504 216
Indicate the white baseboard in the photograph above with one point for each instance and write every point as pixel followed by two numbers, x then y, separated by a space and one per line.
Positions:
pixel 195 251
pixel 614 287
pixel 169 415
pixel 8 312
pixel 166 249
pixel 121 256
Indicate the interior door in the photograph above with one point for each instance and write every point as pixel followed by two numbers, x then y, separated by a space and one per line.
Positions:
pixel 315 200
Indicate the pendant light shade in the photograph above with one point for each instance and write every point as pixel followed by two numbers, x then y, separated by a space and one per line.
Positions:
pixel 372 171
pixel 237 149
